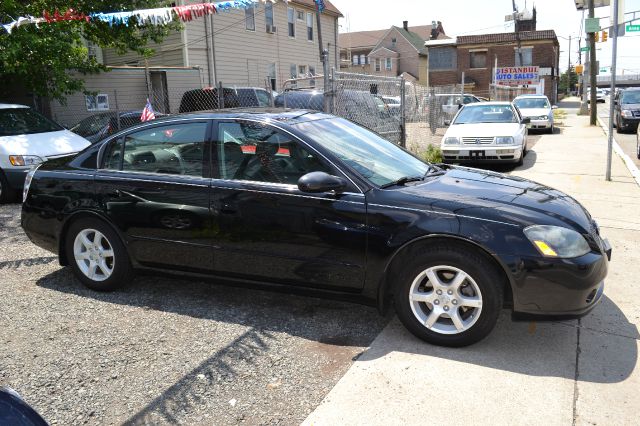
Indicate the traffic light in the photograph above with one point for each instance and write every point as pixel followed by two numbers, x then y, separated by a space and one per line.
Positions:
pixel 605 36
pixel 596 37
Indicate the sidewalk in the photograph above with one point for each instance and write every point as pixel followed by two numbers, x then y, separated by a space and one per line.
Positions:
pixel 552 373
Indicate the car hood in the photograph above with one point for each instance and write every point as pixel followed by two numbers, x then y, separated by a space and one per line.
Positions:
pixel 49 144
pixel 497 197
pixel 482 129
pixel 534 112
pixel 630 106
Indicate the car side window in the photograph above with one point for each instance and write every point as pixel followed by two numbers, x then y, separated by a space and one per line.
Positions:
pixel 169 149
pixel 256 152
pixel 263 98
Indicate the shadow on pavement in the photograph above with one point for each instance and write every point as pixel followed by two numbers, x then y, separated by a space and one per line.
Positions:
pixel 546 349
pixel 569 104
pixel 538 349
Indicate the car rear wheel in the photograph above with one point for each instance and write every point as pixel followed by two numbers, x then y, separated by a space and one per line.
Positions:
pixel 449 296
pixel 97 256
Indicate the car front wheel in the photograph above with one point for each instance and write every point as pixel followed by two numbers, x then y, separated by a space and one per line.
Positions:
pixel 449 296
pixel 96 254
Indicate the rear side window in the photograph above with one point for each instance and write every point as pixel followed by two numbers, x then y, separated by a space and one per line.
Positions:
pixel 169 149
pixel 25 121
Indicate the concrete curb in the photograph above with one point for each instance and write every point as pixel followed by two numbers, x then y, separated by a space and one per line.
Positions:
pixel 635 172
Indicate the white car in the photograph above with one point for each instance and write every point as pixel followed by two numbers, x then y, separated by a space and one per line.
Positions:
pixel 486 132
pixel 27 139
pixel 538 109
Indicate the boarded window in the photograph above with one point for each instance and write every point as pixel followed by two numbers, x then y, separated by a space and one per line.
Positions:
pixel 527 56
pixel 442 58
pixel 478 59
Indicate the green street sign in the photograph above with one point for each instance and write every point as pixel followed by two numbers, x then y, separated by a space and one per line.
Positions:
pixel 585 49
pixel 631 28
pixel 592 25
pixel 603 70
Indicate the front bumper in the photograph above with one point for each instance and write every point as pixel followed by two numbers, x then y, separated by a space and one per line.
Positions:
pixel 539 124
pixel 481 154
pixel 628 122
pixel 16 176
pixel 559 288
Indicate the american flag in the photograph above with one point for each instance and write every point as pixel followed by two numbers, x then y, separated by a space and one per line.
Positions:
pixel 147 112
pixel 320 4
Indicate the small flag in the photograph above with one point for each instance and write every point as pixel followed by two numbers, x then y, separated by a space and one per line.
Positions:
pixel 147 112
pixel 320 4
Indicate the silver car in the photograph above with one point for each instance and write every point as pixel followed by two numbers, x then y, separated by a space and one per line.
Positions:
pixel 538 109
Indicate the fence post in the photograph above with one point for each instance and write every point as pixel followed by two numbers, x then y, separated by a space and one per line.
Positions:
pixel 115 99
pixel 403 123
pixel 220 96
pixel 327 92
pixel 270 89
pixel 332 89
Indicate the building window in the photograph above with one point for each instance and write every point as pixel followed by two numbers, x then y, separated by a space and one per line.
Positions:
pixel 302 70
pixel 478 59
pixel 97 102
pixel 310 26
pixel 387 64
pixel 268 13
pixel 442 58
pixel 363 59
pixel 291 18
pixel 250 18
pixel 377 64
pixel 301 15
pixel 312 73
pixel 394 42
pixel 271 72
pixel 293 69
pixel 527 56
pixel 355 59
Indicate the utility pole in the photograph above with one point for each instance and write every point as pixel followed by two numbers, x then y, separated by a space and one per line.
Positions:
pixel 593 118
pixel 569 69
pixel 614 53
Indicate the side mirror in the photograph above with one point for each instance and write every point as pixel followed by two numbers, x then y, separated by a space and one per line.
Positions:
pixel 447 122
pixel 321 182
pixel 526 120
pixel 554 107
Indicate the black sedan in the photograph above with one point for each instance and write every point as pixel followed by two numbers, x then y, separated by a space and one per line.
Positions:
pixel 307 201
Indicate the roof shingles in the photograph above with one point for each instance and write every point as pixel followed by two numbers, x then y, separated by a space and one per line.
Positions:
pixel 507 37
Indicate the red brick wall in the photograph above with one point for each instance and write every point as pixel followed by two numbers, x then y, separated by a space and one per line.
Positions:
pixel 543 56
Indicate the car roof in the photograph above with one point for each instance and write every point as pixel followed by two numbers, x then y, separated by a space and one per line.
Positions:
pixel 12 106
pixel 291 116
pixel 531 95
pixel 479 104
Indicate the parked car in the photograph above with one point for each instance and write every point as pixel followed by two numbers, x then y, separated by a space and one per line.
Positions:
pixel 207 99
pixel 27 138
pixel 627 110
pixel 486 132
pixel 359 106
pixel 318 204
pixel 600 96
pixel 444 106
pixel 538 109
pixel 103 124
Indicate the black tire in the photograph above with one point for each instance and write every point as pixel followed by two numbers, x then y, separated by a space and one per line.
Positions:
pixel 120 263
pixel 486 276
pixel 551 129
pixel 7 193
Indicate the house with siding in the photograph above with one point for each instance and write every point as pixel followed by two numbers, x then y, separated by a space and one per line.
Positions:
pixel 391 52
pixel 268 43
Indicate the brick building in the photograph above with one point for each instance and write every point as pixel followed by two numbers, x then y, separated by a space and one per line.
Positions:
pixel 477 55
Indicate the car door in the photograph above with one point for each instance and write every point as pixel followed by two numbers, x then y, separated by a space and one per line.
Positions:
pixel 265 228
pixel 522 129
pixel 154 187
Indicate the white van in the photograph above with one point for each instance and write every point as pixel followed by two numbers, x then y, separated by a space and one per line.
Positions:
pixel 27 139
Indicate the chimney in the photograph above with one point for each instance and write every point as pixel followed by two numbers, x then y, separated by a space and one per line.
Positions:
pixel 405 25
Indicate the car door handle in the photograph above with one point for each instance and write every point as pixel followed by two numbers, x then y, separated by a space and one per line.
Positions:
pixel 148 191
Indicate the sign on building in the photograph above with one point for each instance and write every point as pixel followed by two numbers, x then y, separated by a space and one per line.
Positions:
pixel 518 75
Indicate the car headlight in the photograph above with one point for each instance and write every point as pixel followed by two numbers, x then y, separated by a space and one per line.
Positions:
pixel 451 141
pixel 25 160
pixel 543 117
pixel 556 241
pixel 626 113
pixel 504 140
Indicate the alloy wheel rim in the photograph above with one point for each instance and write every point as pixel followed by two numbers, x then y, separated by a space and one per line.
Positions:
pixel 94 254
pixel 445 299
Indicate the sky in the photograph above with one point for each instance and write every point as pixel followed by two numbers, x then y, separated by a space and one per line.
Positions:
pixel 463 17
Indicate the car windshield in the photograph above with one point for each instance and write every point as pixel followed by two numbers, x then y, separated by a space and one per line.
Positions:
pixel 486 114
pixel 376 159
pixel 25 121
pixel 524 103
pixel 631 97
pixel 92 124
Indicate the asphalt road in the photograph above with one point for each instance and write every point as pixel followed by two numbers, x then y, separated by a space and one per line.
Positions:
pixel 627 141
pixel 166 350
